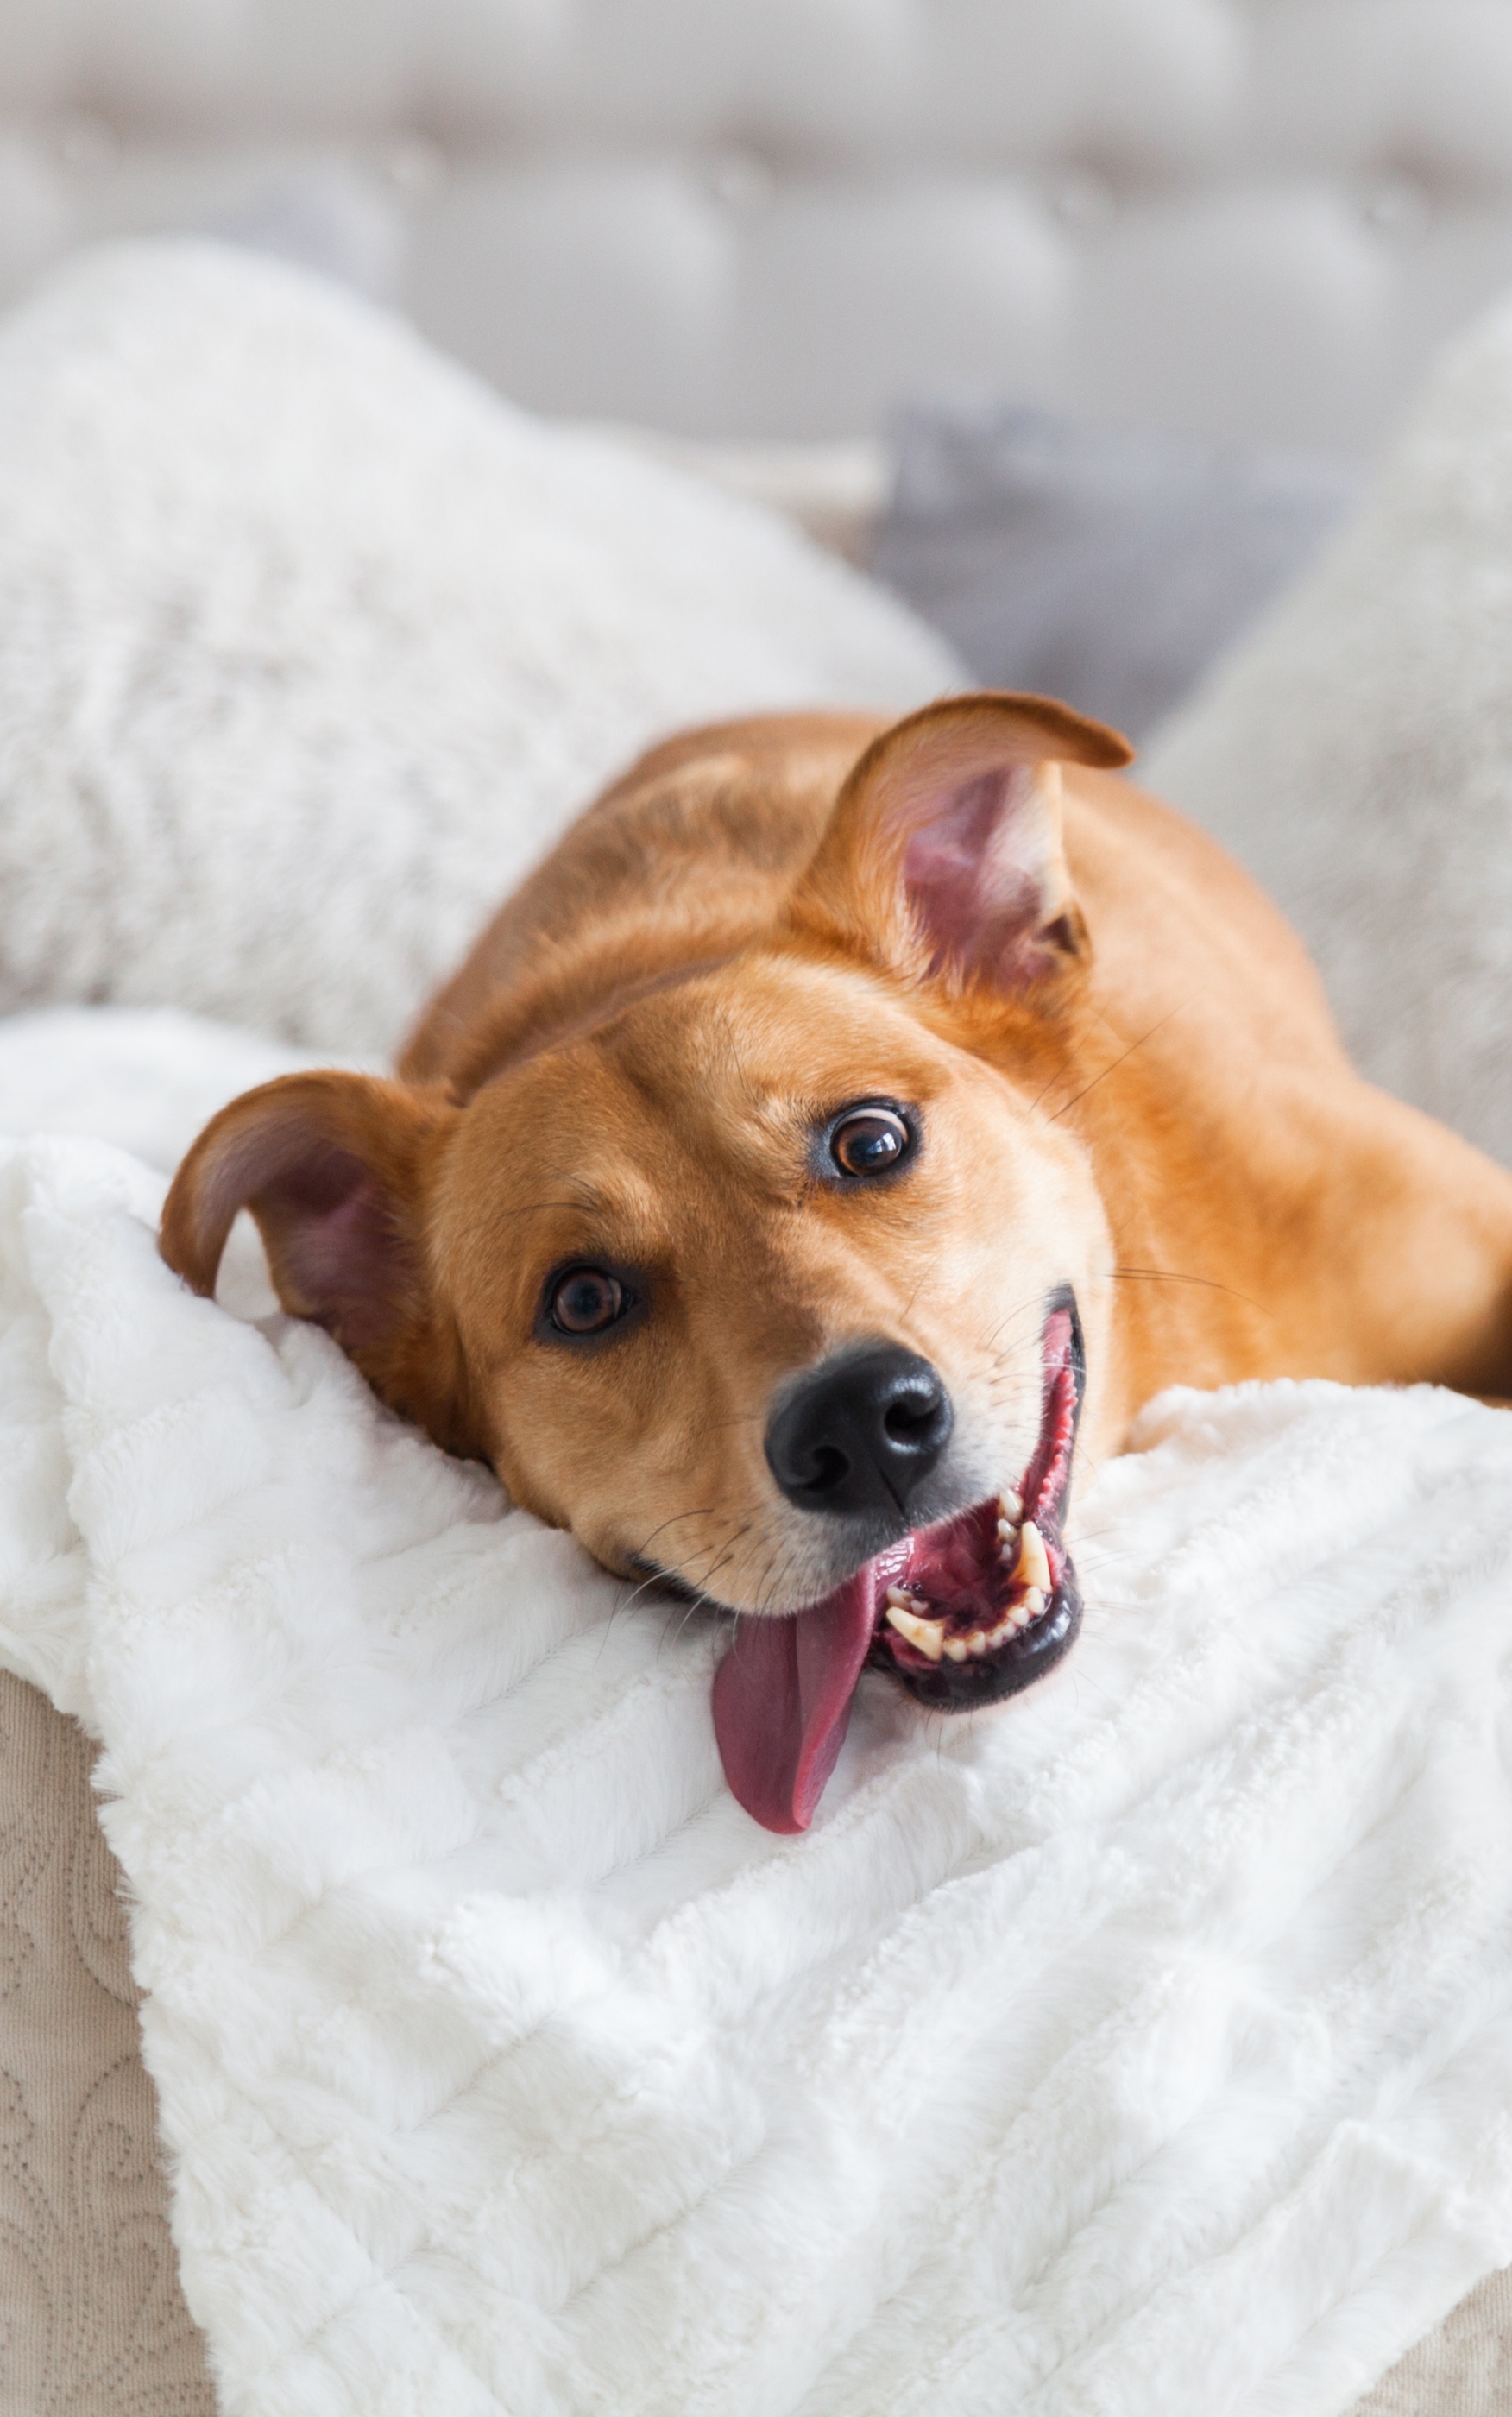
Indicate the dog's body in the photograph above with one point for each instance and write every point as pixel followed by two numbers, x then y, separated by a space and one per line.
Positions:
pixel 813 1143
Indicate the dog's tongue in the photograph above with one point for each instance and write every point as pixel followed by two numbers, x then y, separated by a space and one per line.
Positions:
pixel 781 1701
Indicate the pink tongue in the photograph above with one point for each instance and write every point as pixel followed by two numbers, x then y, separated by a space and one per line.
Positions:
pixel 781 1701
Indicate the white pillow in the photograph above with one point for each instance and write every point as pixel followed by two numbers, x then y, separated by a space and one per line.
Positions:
pixel 1356 753
pixel 310 644
pixel 146 1078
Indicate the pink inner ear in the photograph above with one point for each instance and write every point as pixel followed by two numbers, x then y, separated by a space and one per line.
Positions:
pixel 340 1253
pixel 349 1261
pixel 976 868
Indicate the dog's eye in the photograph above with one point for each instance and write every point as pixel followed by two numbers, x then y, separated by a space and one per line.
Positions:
pixel 870 1141
pixel 584 1300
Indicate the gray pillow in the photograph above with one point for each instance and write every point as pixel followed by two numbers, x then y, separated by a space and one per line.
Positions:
pixel 1109 567
pixel 1355 753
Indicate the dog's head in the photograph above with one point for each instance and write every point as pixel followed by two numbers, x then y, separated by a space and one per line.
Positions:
pixel 781 1281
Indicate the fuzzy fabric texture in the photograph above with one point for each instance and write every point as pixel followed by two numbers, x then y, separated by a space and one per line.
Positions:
pixel 148 1079
pixel 1143 2048
pixel 1356 753
pixel 312 644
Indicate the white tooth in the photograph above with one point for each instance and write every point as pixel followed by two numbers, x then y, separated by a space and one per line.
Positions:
pixel 1007 1531
pixel 900 1596
pixel 928 1635
pixel 956 1647
pixel 1031 1607
pixel 975 1641
pixel 1010 1509
pixel 1033 1561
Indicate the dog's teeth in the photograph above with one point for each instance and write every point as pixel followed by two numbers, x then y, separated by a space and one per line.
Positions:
pixel 1033 1561
pixel 926 1635
pixel 1010 1509
pixel 1023 1548
pixel 1017 1616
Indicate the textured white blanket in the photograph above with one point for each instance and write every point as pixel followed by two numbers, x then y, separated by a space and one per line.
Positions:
pixel 1143 2047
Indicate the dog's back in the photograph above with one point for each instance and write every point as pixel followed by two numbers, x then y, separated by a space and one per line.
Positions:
pixel 685 858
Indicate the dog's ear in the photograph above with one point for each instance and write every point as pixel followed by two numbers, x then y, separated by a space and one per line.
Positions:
pixel 943 858
pixel 337 1169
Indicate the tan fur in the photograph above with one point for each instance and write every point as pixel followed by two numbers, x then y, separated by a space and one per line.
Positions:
pixel 629 1066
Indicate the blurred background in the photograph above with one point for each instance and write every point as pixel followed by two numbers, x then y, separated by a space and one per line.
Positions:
pixel 895 265
pixel 764 219
pixel 1077 324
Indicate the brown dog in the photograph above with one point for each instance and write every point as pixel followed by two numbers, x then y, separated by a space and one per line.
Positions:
pixel 836 1127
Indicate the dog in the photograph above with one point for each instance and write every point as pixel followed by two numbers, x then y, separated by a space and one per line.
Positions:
pixel 839 1136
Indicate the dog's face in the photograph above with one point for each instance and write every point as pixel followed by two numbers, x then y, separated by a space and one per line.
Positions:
pixel 765 1205
pixel 780 1282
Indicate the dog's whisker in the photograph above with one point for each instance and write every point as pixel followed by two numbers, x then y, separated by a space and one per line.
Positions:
pixel 1123 1059
pixel 656 1577
pixel 1032 1303
pixel 701 1601
pixel 1174 1275
pixel 673 1519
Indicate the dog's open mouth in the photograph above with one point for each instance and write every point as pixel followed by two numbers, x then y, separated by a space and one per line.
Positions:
pixel 963 1612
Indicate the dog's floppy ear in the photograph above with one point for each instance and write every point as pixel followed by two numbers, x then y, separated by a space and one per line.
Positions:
pixel 943 858
pixel 336 1170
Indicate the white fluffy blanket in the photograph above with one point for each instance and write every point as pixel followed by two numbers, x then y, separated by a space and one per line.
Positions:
pixel 1143 2048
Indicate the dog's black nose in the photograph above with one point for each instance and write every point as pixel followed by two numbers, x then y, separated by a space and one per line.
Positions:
pixel 860 1430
